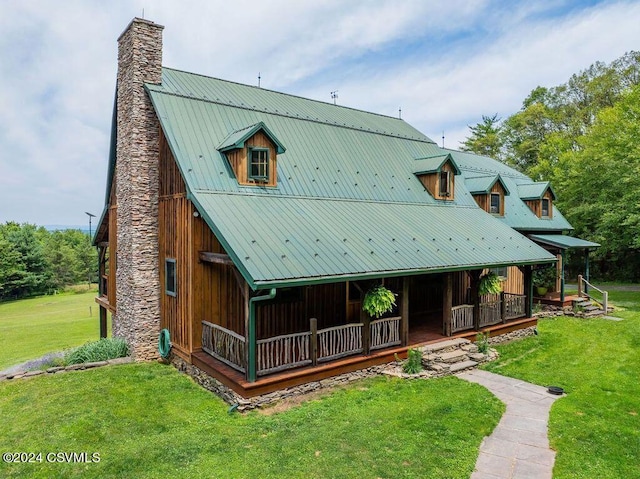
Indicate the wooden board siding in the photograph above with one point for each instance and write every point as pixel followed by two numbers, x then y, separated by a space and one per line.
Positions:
pixel 515 281
pixel 536 205
pixel 171 181
pixel 204 291
pixel 239 161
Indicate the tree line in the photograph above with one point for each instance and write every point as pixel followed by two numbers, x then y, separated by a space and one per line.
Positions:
pixel 584 137
pixel 36 261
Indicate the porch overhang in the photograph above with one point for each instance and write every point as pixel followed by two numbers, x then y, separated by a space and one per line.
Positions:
pixel 564 242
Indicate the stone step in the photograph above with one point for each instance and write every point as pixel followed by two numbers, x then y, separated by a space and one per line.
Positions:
pixel 442 345
pixel 591 308
pixel 453 356
pixel 438 367
pixel 597 312
pixel 462 365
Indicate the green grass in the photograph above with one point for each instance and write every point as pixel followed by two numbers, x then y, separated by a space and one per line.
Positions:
pixel 30 328
pixel 149 421
pixel 595 429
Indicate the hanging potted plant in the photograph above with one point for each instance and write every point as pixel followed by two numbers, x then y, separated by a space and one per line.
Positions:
pixel 378 301
pixel 490 283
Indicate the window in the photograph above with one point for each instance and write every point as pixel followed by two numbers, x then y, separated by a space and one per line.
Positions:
pixel 494 207
pixel 259 164
pixel 445 183
pixel 170 286
pixel 500 272
pixel 545 208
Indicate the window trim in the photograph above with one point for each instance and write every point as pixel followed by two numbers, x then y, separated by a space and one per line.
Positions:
pixel 501 269
pixel 491 196
pixel 167 290
pixel 548 215
pixel 250 176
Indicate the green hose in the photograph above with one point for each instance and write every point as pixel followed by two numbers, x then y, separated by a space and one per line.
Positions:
pixel 164 343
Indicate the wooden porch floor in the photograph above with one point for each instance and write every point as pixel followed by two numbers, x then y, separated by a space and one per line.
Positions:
pixel 555 301
pixel 418 336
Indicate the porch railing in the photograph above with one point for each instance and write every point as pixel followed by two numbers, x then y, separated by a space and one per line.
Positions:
pixel 339 341
pixel 490 313
pixel 283 352
pixel 384 332
pixel 224 344
pixel 514 306
pixel 461 317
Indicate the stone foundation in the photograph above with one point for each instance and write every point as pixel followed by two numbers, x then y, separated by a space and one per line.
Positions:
pixel 513 335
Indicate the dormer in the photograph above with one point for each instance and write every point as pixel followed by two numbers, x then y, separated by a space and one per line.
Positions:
pixel 489 192
pixel 539 197
pixel 437 174
pixel 252 153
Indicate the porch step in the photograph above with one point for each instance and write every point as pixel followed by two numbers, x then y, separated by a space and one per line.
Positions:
pixel 453 356
pixel 443 346
pixel 462 365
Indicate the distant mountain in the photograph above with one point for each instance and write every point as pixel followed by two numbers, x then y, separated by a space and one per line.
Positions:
pixel 83 228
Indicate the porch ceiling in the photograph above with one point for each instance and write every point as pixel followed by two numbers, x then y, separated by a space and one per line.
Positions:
pixel 279 241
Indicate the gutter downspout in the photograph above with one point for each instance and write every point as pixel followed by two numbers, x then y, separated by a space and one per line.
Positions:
pixel 251 360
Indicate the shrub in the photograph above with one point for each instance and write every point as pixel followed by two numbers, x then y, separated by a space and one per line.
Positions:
pixel 482 341
pixel 102 350
pixel 490 284
pixel 413 364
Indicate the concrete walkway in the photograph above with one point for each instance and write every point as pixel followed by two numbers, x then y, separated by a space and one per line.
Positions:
pixel 518 448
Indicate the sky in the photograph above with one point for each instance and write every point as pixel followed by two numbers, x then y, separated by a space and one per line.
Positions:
pixel 444 63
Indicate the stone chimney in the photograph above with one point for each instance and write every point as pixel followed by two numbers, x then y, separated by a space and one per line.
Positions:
pixel 137 317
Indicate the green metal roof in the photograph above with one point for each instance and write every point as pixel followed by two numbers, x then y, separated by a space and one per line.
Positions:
pixel 564 241
pixel 347 203
pixel 483 184
pixel 288 240
pixel 434 164
pixel 236 139
pixel 516 212
pixel 535 191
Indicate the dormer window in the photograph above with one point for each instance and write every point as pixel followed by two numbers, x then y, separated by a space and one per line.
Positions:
pixel 545 208
pixel 252 153
pixel 259 164
pixel 489 191
pixel 437 175
pixel 494 207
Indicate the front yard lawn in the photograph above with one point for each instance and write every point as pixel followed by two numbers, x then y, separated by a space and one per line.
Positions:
pixel 149 421
pixel 595 429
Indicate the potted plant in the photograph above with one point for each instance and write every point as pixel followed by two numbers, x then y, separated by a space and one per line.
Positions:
pixel 544 279
pixel 490 283
pixel 378 301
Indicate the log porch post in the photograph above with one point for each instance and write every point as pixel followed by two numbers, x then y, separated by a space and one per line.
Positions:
pixel 103 322
pixel 475 297
pixel 447 303
pixel 528 289
pixel 404 334
pixel 252 360
pixel 562 259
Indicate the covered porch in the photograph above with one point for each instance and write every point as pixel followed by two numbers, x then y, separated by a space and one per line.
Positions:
pixel 297 334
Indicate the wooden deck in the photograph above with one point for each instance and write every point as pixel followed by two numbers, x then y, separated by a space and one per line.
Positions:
pixel 555 301
pixel 420 335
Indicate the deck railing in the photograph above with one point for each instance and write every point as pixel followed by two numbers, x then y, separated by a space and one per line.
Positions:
pixel 384 332
pixel 224 344
pixel 283 352
pixel 514 306
pixel 339 341
pixel 490 313
pixel 461 317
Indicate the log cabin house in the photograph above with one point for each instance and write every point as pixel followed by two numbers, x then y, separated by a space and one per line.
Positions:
pixel 250 224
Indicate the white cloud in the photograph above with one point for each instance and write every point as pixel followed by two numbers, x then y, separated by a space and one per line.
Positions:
pixel 444 64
